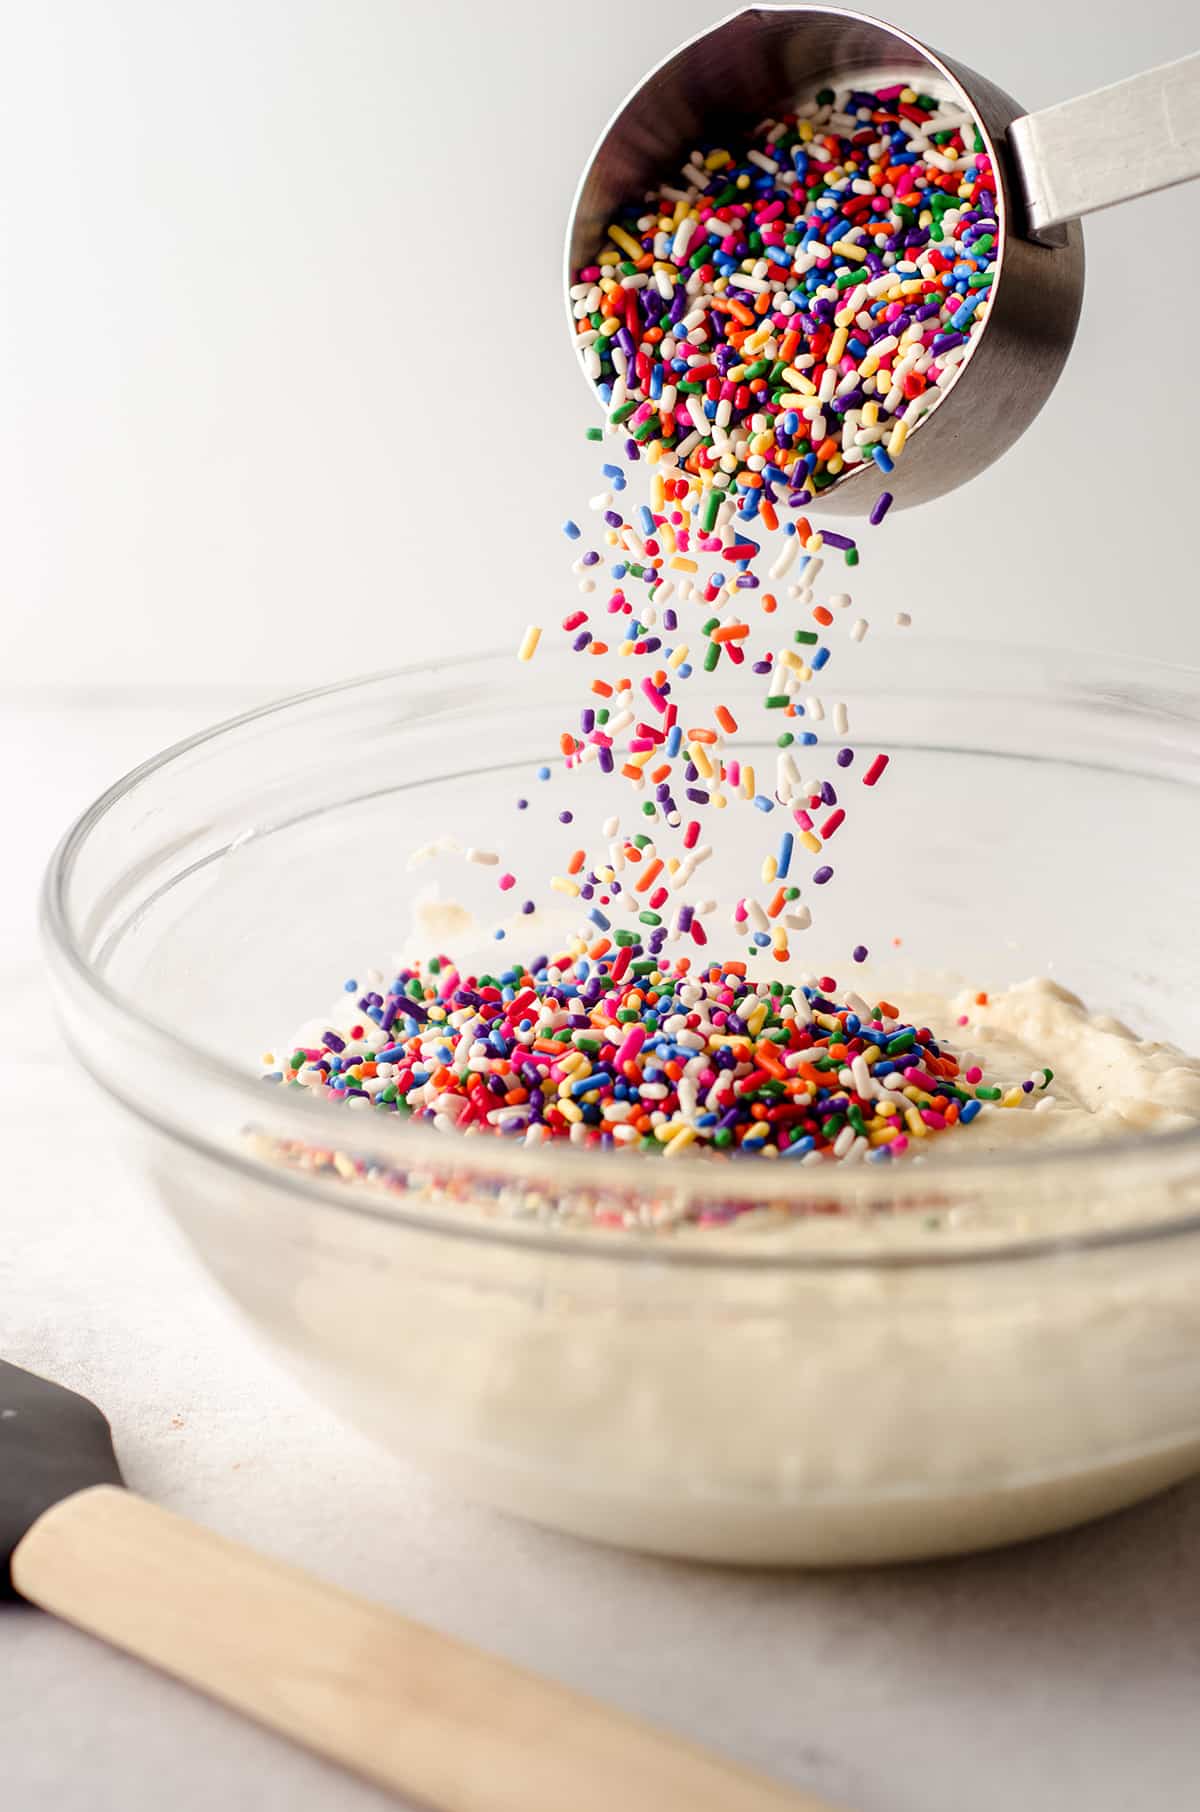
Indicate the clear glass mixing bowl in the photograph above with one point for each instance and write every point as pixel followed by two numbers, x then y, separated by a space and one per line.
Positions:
pixel 962 1354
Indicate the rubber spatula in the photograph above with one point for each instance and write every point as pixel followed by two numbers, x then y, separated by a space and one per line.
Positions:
pixel 452 1727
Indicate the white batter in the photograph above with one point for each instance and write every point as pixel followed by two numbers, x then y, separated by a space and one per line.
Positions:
pixel 775 1413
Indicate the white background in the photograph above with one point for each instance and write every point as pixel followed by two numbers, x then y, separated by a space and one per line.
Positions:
pixel 282 350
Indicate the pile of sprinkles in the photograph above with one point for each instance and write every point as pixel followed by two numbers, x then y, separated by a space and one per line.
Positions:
pixel 793 305
pixel 659 1057
pixel 759 331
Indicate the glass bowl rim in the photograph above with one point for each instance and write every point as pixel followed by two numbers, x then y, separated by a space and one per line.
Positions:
pixel 559 1165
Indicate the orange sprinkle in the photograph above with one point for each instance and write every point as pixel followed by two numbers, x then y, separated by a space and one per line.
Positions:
pixel 770 602
pixel 660 773
pixel 777 905
pixel 726 719
pixel 981 1000
pixel 768 515
pixel 566 743
pixel 888 1010
pixel 576 862
pixel 649 876
pixel 821 615
pixel 708 736
pixel 600 948
pixel 732 632
pixel 602 687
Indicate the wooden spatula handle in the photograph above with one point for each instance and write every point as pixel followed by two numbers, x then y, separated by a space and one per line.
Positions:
pixel 447 1724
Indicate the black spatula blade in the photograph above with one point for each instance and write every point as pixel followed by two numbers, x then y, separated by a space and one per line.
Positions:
pixel 53 1443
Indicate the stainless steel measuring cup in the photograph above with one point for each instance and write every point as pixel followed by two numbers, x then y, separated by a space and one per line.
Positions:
pixel 1127 140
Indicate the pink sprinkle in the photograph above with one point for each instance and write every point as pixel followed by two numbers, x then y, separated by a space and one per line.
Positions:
pixel 507 881
pixel 974 1074
pixel 631 1044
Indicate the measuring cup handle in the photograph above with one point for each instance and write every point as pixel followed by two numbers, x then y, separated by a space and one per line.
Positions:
pixel 1121 142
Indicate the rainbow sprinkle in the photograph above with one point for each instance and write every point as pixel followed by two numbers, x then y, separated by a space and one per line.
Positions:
pixel 793 307
pixel 658 1058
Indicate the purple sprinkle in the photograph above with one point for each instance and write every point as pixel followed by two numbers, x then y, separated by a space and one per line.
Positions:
pixel 845 757
pixel 527 906
pixel 565 817
pixel 761 667
pixel 883 504
pixel 522 805
pixel 822 874
pixel 860 953
pixel 591 558
pixel 832 540
pixel 686 915
pixel 606 760
pixel 613 518
pixel 332 1042
pixel 828 796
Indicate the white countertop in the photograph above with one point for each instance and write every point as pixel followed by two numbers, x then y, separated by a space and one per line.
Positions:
pixel 1055 1677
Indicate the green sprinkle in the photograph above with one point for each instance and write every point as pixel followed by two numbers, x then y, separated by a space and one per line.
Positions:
pixel 984 1094
pixel 712 655
pixel 806 637
pixel 777 700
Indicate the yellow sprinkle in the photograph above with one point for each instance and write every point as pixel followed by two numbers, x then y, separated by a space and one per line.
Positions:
pixel 529 642
pixel 678 656
pixel 1013 1098
pixel 810 842
pixel 770 869
pixel 610 328
pixel 897 439
pixel 569 1111
pixel 681 564
pixel 833 468
pixel 799 394
pixel 719 800
pixel 747 782
pixel 679 1141
pixel 561 884
pixel 837 345
pixel 805 130
pixel 620 237
pixel 915 1124
pixel 856 252
pixel 870 414
pixel 815 542
pixel 343 1165
pixel 658 486
pixel 717 160
pixel 699 755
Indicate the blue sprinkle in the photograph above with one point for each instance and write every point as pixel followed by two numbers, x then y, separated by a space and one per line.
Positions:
pixel 571 530
pixel 968 1111
pixel 543 773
